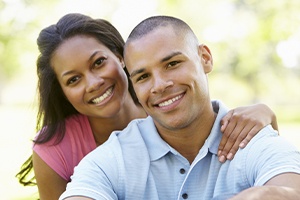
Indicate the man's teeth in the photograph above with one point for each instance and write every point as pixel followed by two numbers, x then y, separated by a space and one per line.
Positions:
pixel 102 97
pixel 170 101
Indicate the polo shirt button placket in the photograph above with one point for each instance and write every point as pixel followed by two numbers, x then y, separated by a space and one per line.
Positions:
pixel 185 195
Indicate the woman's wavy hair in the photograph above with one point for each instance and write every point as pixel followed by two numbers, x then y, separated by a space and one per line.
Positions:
pixel 53 107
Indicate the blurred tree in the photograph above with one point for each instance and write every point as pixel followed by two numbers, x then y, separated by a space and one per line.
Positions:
pixel 254 56
pixel 244 36
pixel 18 23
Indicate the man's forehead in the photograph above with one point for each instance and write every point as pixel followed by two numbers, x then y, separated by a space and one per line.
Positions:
pixel 156 37
pixel 155 43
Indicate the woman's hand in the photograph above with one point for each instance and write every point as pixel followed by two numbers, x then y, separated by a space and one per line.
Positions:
pixel 240 125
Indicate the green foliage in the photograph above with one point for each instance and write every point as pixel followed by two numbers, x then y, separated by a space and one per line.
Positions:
pixel 18 20
pixel 244 37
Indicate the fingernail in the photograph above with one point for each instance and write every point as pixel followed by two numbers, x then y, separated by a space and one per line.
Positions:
pixel 222 159
pixel 242 145
pixel 229 156
pixel 219 153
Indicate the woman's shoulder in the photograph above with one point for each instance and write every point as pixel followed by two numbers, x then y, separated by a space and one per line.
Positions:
pixel 78 141
pixel 76 119
pixel 78 126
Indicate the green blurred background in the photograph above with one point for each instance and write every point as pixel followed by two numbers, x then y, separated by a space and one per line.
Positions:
pixel 255 45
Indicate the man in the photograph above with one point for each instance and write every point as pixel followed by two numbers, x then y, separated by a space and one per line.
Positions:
pixel 173 153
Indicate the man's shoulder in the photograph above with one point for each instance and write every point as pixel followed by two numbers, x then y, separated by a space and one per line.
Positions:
pixel 268 143
pixel 266 138
pixel 135 127
pixel 123 146
pixel 266 132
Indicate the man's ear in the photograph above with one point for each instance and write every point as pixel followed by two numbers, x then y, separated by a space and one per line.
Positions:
pixel 206 58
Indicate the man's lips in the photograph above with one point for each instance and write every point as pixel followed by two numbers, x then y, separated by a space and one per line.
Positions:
pixel 169 101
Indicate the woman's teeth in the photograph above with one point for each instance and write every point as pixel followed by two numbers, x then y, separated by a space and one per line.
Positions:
pixel 102 97
pixel 170 101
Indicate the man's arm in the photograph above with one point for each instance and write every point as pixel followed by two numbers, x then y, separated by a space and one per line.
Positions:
pixel 77 198
pixel 284 186
pixel 286 179
pixel 268 192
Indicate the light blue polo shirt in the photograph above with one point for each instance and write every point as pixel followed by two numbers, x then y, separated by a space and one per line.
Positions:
pixel 137 164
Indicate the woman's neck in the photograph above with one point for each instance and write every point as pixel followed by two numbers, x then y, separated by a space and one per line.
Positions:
pixel 103 127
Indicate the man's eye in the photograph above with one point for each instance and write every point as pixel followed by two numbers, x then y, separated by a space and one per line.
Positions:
pixel 72 80
pixel 172 64
pixel 142 77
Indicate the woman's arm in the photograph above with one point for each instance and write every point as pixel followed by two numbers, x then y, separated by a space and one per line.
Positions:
pixel 240 125
pixel 50 184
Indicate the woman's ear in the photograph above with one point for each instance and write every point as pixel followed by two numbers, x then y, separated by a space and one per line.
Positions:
pixel 123 64
pixel 121 59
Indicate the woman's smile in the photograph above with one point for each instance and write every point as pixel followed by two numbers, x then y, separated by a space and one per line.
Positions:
pixel 101 98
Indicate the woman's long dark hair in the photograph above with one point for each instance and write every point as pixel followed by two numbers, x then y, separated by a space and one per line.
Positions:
pixel 53 107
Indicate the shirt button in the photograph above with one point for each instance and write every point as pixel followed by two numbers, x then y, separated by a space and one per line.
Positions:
pixel 185 195
pixel 182 171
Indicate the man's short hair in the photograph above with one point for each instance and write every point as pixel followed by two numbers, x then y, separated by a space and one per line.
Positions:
pixel 152 23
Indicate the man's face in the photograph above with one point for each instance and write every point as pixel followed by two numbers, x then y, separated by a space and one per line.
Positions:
pixel 169 77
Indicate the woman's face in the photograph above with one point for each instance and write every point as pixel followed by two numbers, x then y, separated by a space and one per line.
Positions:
pixel 91 76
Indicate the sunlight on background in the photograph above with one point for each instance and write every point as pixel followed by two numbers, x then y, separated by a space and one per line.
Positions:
pixel 17 108
pixel 289 50
pixel 215 22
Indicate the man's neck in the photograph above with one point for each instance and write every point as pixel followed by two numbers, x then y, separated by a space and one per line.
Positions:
pixel 188 141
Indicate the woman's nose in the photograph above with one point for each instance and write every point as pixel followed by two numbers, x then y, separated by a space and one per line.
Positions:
pixel 94 82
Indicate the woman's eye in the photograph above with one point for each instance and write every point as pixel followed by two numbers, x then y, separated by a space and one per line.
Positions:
pixel 72 80
pixel 99 62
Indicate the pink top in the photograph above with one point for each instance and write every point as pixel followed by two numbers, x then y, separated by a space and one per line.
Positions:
pixel 77 142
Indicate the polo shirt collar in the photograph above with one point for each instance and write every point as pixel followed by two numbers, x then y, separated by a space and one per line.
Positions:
pixel 214 138
pixel 156 146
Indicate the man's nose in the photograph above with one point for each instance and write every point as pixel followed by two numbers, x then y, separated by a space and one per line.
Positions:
pixel 160 84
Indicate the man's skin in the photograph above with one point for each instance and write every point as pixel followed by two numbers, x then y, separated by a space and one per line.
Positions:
pixel 156 68
pixel 169 74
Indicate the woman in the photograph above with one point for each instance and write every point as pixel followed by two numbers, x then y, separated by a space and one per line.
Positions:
pixel 85 94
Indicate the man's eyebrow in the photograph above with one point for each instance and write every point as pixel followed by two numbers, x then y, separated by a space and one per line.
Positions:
pixel 168 57
pixel 138 71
